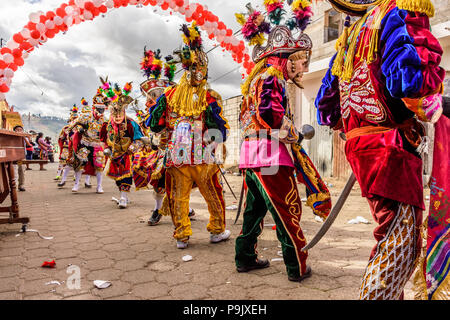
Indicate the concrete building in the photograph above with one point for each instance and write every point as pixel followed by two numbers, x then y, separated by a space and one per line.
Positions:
pixel 327 149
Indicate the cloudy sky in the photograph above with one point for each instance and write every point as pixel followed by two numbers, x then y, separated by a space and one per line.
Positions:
pixel 67 67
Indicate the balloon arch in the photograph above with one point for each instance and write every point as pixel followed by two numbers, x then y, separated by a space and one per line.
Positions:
pixel 43 26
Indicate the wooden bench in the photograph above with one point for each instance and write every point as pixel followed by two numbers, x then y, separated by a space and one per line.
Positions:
pixel 40 162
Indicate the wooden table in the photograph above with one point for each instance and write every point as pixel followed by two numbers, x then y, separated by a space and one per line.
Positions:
pixel 11 149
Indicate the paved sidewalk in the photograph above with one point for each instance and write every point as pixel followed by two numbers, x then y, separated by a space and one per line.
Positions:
pixel 142 262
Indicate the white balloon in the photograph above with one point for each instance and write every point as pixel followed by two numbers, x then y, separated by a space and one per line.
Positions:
pixel 49 24
pixel 9 73
pixel 25 54
pixel 34 17
pixel 79 3
pixel 109 4
pixel 68 20
pixel 68 9
pixel 88 15
pixel 25 33
pixel 40 27
pixel 58 20
pixel 97 3
pixel 2 96
pixel 12 44
pixel 33 42
pixel 8 58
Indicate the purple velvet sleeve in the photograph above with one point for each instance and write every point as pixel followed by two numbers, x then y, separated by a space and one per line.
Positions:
pixel 271 107
pixel 328 100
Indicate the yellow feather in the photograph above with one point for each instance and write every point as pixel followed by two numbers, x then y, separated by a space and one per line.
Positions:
pixel 240 18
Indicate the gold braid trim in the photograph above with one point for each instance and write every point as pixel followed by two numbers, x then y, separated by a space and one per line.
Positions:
pixel 421 6
pixel 182 101
pixel 274 72
pixel 419 281
pixel 245 87
pixel 346 45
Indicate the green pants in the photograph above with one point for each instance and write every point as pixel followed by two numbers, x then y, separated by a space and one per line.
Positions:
pixel 278 194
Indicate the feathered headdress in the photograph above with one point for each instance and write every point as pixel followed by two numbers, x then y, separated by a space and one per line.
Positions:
pixel 191 36
pixel 151 63
pixel 169 68
pixel 139 115
pixel 193 47
pixel 302 15
pixel 85 109
pixel 253 27
pixel 280 40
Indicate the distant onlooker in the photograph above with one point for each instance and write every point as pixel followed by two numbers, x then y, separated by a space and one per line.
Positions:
pixel 19 173
pixel 50 151
pixel 29 147
pixel 43 146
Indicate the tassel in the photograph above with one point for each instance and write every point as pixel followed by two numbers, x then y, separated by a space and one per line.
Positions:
pixel 421 6
pixel 337 69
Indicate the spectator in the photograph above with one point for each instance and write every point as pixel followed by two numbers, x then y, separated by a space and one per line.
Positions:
pixel 50 151
pixel 19 173
pixel 29 147
pixel 43 146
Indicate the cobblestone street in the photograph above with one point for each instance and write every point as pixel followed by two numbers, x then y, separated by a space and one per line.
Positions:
pixel 142 262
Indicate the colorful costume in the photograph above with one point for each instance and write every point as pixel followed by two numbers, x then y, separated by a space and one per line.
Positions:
pixel 64 139
pixel 87 147
pixel 191 115
pixel 268 134
pixel 123 138
pixel 384 76
pixel 432 279
pixel 148 164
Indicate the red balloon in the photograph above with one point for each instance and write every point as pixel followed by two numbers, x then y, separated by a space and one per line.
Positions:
pixel 229 32
pixel 19 61
pixel 50 15
pixel 188 19
pixel 179 3
pixel 194 15
pixel 116 3
pixel 4 88
pixel 199 8
pixel 152 2
pixel 13 66
pixel 89 6
pixel 71 2
pixel 35 34
pixel 18 38
pixel 201 21
pixel 165 6
pixel 43 19
pixel 5 50
pixel 25 46
pixel 60 12
pixel 31 26
pixel 50 34
pixel 17 53
pixel 211 36
pixel 125 3
pixel 222 26
pixel 103 9
pixel 2 64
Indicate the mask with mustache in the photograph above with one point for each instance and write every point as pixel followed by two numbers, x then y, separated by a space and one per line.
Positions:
pixel 297 65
